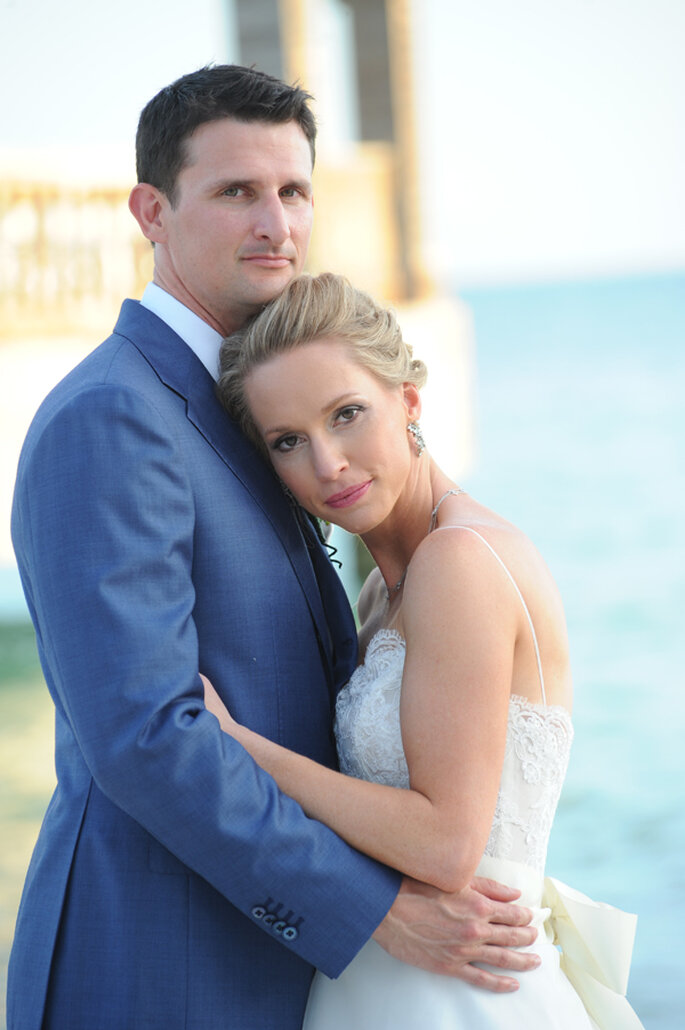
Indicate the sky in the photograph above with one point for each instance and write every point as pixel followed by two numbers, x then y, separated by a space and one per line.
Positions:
pixel 566 135
pixel 552 131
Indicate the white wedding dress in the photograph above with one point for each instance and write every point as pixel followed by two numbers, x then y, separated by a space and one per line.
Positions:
pixel 584 947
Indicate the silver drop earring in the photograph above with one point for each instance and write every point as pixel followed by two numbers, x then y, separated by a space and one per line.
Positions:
pixel 415 429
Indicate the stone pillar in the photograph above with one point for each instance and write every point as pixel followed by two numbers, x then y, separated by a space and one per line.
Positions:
pixel 259 35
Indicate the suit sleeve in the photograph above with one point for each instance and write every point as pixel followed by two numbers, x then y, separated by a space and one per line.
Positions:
pixel 105 527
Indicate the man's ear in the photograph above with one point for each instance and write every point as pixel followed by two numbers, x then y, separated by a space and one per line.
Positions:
pixel 412 400
pixel 147 205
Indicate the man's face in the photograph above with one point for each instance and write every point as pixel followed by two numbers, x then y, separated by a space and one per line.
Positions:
pixel 240 227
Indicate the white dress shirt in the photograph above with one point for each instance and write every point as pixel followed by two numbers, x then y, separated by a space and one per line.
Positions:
pixel 200 337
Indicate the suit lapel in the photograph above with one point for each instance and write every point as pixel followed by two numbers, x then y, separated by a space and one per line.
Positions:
pixel 181 371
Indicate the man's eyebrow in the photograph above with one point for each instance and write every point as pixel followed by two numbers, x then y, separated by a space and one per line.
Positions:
pixel 225 183
pixel 304 185
pixel 301 184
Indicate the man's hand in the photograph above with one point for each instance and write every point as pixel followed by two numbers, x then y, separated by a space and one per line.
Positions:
pixel 447 933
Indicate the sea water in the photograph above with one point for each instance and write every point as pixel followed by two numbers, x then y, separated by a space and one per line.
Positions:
pixel 580 410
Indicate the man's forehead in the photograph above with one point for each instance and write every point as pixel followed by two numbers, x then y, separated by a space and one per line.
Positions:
pixel 246 142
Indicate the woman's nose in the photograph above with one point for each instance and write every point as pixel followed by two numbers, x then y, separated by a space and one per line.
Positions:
pixel 329 460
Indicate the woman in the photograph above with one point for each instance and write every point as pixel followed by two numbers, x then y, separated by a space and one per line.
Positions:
pixel 454 732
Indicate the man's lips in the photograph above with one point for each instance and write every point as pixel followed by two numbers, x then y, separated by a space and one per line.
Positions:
pixel 349 496
pixel 268 260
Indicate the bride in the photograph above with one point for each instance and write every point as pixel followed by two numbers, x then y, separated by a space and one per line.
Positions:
pixel 454 732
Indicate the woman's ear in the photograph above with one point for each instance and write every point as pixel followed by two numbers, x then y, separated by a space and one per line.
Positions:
pixel 147 205
pixel 412 401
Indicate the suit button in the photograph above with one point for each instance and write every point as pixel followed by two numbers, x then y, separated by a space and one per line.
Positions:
pixel 290 934
pixel 270 919
pixel 259 911
pixel 280 926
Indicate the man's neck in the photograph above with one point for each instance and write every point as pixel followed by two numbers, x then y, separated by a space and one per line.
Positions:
pixel 202 338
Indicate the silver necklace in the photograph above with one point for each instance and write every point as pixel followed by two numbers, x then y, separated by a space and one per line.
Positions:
pixel 389 591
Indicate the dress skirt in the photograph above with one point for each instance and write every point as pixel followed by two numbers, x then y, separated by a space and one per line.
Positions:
pixel 580 984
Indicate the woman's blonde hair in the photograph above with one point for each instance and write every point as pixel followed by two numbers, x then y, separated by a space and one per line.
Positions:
pixel 309 308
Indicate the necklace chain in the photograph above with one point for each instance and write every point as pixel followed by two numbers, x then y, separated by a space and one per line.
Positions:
pixel 389 591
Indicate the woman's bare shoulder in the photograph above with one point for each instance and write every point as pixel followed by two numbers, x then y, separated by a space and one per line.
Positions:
pixel 479 558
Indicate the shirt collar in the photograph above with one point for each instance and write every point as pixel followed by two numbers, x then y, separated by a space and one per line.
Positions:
pixel 200 337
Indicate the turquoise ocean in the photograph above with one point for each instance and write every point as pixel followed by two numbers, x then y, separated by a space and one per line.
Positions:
pixel 580 427
pixel 580 411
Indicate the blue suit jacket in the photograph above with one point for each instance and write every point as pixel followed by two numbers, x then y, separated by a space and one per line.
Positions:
pixel 172 884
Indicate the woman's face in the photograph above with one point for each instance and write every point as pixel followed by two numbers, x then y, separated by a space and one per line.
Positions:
pixel 337 435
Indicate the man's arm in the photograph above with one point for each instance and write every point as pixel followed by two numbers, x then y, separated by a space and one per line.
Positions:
pixel 105 526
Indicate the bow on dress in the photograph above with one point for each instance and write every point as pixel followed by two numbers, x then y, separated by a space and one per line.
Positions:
pixel 596 942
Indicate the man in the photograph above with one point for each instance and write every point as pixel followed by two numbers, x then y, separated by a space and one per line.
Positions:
pixel 172 885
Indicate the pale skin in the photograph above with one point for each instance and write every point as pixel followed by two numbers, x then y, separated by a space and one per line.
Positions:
pixel 237 233
pixel 337 437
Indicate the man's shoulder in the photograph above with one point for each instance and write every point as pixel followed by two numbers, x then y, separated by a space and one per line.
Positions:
pixel 118 364
pixel 136 331
pixel 106 363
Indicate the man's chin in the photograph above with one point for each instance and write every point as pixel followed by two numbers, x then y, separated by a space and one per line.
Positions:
pixel 244 303
pixel 272 285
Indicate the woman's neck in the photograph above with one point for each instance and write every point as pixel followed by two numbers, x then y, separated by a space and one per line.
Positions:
pixel 393 542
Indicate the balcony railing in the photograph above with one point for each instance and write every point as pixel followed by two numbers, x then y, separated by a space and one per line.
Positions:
pixel 67 258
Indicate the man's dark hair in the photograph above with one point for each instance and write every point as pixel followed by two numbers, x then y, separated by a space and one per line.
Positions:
pixel 223 91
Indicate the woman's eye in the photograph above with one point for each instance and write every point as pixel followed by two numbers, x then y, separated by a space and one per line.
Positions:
pixel 286 443
pixel 349 413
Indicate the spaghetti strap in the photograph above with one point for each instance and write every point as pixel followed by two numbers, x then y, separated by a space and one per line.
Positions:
pixel 516 588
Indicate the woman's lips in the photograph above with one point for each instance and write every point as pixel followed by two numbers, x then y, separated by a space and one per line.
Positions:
pixel 349 496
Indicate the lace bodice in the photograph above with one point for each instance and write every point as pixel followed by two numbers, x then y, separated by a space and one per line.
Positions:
pixel 537 750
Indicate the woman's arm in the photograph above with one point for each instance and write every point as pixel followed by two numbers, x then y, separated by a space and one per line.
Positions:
pixel 460 623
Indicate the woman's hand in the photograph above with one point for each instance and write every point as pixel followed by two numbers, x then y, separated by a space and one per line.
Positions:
pixel 215 705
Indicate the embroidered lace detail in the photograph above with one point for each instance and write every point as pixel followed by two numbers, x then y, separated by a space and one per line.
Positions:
pixel 535 761
pixel 367 723
pixel 539 738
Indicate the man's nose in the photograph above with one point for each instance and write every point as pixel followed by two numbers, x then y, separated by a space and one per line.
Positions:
pixel 272 222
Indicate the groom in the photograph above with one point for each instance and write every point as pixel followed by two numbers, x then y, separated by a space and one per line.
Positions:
pixel 172 885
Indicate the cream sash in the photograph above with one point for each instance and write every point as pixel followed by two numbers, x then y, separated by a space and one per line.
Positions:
pixel 596 943
pixel 595 940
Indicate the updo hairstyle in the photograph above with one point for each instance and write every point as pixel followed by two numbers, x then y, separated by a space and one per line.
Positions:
pixel 309 308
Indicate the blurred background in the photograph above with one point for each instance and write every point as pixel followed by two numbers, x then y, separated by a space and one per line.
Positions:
pixel 510 178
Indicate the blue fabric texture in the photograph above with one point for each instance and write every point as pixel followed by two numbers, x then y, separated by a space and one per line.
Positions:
pixel 172 884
